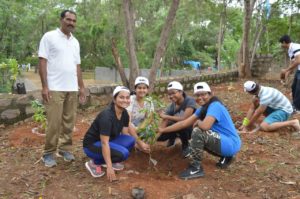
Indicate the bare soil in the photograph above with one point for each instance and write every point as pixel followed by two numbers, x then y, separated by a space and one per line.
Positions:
pixel 268 165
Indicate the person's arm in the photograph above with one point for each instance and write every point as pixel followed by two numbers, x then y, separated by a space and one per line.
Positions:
pixel 111 176
pixel 187 113
pixel 207 123
pixel 293 64
pixel 43 76
pixel 257 113
pixel 82 96
pixel 141 144
pixel 179 125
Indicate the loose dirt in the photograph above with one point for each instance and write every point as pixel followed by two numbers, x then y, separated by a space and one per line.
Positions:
pixel 268 165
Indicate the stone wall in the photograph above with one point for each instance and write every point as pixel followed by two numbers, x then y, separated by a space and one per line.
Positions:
pixel 14 108
pixel 262 64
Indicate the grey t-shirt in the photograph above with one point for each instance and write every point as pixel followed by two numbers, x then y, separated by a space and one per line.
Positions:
pixel 188 102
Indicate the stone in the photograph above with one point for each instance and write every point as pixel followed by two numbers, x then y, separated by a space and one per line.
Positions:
pixel 10 114
pixel 5 102
pixel 29 110
pixel 23 100
pixel 93 90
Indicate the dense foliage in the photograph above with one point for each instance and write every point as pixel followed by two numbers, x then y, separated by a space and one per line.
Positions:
pixel 194 35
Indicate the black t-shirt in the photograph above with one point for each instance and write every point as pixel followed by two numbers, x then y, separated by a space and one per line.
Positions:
pixel 106 123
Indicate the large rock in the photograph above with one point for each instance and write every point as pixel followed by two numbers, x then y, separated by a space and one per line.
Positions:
pixel 10 114
pixel 23 100
pixel 5 102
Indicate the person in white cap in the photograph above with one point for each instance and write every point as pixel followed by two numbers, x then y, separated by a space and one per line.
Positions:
pixel 182 107
pixel 213 132
pixel 271 103
pixel 138 103
pixel 107 142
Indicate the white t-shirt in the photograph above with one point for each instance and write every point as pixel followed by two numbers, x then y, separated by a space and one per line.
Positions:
pixel 63 56
pixel 294 50
pixel 273 98
pixel 134 110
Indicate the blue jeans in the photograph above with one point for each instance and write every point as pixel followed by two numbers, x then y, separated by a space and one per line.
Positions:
pixel 120 148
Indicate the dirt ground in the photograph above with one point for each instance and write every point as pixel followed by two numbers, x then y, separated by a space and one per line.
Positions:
pixel 268 165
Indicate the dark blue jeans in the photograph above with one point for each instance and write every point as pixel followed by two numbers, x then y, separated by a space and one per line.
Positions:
pixel 296 90
pixel 120 148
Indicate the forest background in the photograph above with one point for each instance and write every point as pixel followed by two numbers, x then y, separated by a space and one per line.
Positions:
pixel 219 33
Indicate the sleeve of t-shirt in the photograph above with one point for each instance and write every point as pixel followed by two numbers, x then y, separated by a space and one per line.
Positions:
pixel 78 53
pixel 44 47
pixel 296 50
pixel 214 110
pixel 105 123
pixel 198 111
pixel 126 119
pixel 191 103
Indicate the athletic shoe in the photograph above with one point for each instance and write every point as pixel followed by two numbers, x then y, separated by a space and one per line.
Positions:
pixel 171 142
pixel 224 162
pixel 68 157
pixel 186 152
pixel 192 172
pixel 95 170
pixel 49 160
pixel 116 166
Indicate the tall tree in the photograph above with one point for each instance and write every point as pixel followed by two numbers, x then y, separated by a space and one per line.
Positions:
pixel 162 44
pixel 243 58
pixel 129 28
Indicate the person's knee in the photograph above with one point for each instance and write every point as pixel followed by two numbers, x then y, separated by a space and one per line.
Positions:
pixel 265 126
pixel 198 136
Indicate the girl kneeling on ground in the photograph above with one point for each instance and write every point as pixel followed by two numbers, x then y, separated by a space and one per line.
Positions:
pixel 213 132
pixel 136 113
pixel 104 143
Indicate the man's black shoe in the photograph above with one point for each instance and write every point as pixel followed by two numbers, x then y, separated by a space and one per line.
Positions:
pixel 192 172
pixel 224 162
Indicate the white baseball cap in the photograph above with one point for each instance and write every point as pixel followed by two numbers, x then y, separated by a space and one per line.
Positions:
pixel 141 80
pixel 201 87
pixel 249 86
pixel 175 85
pixel 120 88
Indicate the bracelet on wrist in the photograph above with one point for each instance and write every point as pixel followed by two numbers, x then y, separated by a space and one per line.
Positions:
pixel 246 121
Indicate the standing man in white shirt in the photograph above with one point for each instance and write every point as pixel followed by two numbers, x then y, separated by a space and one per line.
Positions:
pixel 294 54
pixel 59 68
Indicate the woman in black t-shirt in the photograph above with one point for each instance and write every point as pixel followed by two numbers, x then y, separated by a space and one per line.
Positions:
pixel 107 141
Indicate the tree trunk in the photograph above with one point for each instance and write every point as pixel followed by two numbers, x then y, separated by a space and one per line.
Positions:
pixel 119 64
pixel 129 28
pixel 221 33
pixel 261 30
pixel 161 46
pixel 243 60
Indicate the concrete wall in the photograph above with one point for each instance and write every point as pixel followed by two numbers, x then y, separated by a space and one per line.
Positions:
pixel 14 108
pixel 111 75
pixel 263 64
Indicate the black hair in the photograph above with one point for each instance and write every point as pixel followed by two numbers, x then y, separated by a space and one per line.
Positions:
pixel 286 39
pixel 63 13
pixel 205 106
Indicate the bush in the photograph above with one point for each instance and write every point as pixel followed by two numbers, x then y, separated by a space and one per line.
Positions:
pixel 8 74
